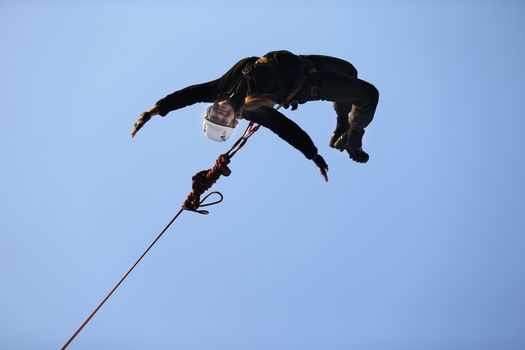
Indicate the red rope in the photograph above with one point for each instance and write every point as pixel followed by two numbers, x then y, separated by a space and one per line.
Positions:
pixel 201 182
pixel 120 282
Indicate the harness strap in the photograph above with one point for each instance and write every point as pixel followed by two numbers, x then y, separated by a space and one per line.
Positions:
pixel 296 87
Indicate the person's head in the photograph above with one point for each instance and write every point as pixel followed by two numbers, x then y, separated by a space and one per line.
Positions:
pixel 219 121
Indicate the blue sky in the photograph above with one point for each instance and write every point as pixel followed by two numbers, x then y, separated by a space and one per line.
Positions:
pixel 421 248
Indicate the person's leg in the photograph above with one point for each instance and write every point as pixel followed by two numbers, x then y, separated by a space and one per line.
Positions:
pixel 345 91
pixel 342 111
pixel 333 64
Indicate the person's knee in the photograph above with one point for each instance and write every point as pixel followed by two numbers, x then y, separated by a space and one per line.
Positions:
pixel 373 95
pixel 352 72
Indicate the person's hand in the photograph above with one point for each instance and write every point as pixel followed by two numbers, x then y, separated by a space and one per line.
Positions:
pixel 143 119
pixel 321 164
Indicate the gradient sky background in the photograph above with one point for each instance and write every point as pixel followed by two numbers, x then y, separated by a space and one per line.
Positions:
pixel 421 248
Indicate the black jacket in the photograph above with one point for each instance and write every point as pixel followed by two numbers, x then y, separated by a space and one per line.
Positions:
pixel 278 79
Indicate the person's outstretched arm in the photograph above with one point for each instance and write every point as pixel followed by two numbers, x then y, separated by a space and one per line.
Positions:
pixel 289 131
pixel 205 92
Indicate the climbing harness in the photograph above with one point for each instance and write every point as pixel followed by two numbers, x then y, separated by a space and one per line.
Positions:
pixel 201 182
pixel 295 87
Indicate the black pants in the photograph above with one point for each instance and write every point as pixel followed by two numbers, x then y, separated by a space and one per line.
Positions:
pixel 336 80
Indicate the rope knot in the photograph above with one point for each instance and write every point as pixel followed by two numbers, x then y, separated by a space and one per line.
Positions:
pixel 203 180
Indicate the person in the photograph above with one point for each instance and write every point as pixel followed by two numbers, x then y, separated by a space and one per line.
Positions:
pixel 255 88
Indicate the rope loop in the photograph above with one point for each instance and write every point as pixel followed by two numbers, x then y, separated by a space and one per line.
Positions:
pixel 203 204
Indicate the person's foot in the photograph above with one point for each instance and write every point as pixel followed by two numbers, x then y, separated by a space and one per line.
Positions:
pixel 357 154
pixel 350 141
pixel 339 139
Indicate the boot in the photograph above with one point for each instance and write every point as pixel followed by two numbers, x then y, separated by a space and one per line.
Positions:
pixel 355 145
pixel 338 139
pixel 351 141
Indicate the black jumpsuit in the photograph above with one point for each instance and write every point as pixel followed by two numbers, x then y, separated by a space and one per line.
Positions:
pixel 290 79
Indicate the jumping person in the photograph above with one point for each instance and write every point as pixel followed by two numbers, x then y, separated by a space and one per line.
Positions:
pixel 255 85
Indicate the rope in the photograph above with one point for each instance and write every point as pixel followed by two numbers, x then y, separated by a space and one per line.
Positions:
pixel 201 182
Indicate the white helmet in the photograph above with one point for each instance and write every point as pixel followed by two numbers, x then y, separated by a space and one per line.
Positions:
pixel 216 132
pixel 212 129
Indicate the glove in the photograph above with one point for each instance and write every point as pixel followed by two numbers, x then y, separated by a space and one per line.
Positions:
pixel 321 164
pixel 143 119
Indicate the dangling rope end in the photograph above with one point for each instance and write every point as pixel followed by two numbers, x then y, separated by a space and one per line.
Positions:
pixel 203 204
